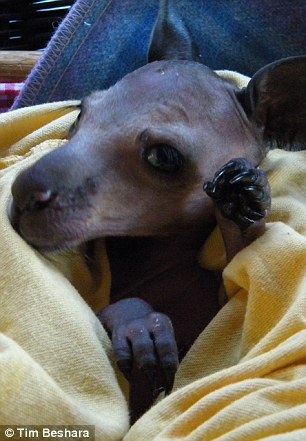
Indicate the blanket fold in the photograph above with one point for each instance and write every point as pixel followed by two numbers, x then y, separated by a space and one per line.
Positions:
pixel 243 379
pixel 245 376
pixel 55 358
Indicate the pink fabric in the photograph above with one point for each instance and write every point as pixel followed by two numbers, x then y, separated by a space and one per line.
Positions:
pixel 8 93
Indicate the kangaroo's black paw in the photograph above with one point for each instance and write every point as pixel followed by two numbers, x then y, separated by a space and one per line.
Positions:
pixel 241 192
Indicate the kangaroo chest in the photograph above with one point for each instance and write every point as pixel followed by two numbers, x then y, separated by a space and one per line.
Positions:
pixel 166 274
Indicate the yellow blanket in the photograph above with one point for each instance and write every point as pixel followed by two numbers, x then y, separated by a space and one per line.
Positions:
pixel 244 378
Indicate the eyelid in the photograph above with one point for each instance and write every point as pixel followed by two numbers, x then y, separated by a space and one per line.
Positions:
pixel 155 136
pixel 145 136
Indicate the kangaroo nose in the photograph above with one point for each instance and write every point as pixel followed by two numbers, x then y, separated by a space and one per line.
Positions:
pixel 30 193
pixel 39 199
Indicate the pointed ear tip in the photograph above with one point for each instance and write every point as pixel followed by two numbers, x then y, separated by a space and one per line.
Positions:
pixel 170 37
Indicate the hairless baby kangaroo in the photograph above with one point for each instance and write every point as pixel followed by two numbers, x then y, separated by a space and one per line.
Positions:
pixel 133 172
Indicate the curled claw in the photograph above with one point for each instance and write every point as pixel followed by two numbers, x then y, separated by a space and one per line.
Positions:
pixel 247 177
pixel 241 192
pixel 230 169
pixel 257 192
pixel 212 190
pixel 168 376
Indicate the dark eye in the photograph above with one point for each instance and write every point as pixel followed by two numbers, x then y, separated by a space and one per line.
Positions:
pixel 164 158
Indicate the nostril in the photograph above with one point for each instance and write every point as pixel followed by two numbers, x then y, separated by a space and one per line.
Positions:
pixel 42 196
pixel 31 203
pixel 31 200
pixel 35 187
pixel 39 200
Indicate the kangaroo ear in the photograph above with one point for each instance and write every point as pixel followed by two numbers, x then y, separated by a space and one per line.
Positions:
pixel 170 39
pixel 275 101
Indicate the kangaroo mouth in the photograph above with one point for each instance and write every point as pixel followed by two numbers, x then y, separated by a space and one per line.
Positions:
pixel 48 232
